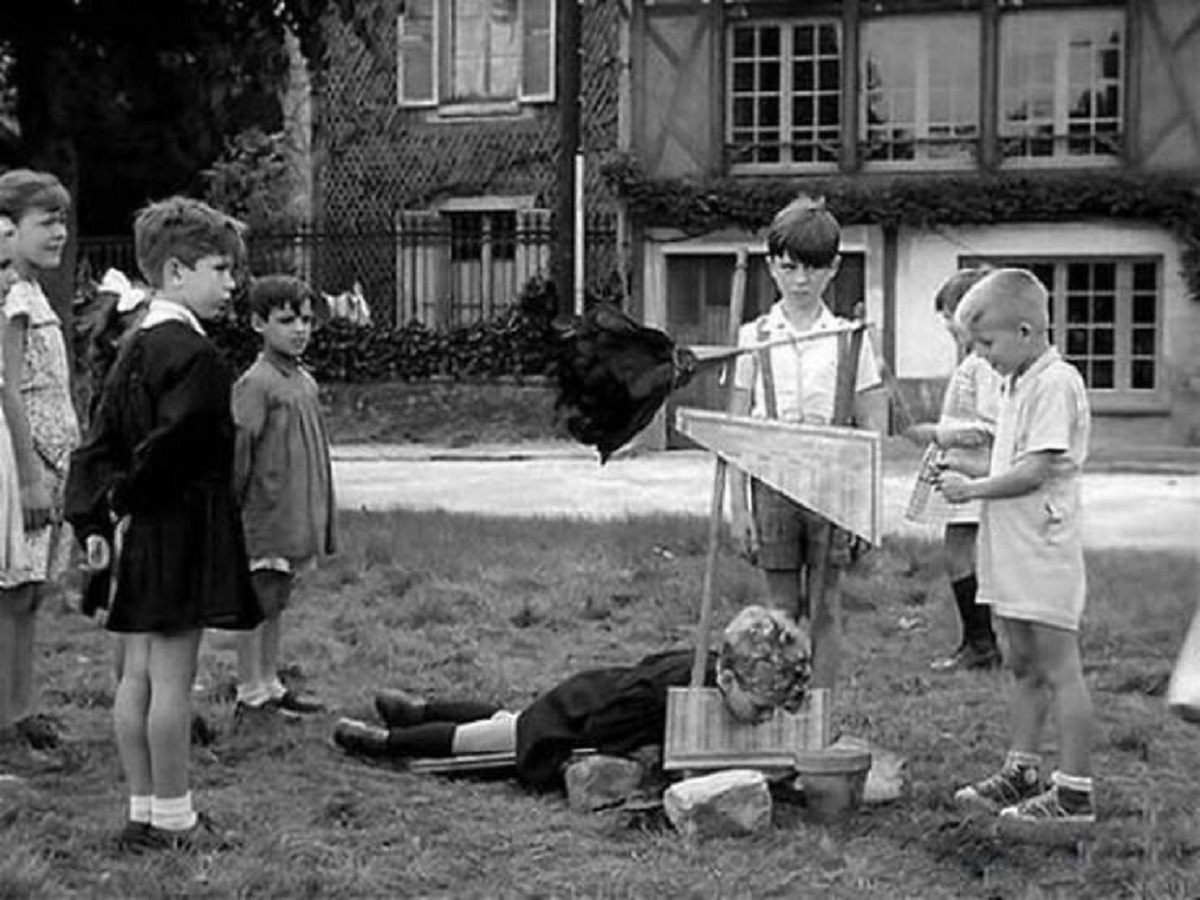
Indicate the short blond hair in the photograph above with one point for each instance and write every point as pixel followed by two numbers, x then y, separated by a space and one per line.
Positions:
pixel 1006 298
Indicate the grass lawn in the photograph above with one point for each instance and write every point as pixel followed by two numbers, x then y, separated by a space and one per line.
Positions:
pixel 504 609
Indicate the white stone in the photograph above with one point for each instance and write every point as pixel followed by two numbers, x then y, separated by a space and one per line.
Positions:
pixel 599 781
pixel 728 803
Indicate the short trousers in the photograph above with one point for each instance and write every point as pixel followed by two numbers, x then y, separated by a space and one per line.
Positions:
pixel 273 589
pixel 790 535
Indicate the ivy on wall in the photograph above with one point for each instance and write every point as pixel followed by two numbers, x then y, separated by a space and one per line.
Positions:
pixel 921 201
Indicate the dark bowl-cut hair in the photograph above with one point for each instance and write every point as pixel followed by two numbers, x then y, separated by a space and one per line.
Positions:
pixel 185 229
pixel 272 292
pixel 805 231
pixel 954 288
pixel 24 189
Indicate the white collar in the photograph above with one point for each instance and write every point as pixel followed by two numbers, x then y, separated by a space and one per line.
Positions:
pixel 778 321
pixel 163 310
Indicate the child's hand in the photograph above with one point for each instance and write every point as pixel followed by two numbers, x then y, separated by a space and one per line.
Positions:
pixel 923 433
pixel 966 434
pixel 955 487
pixel 99 554
pixel 35 501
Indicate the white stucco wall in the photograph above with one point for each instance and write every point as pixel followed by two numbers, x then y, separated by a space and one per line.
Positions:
pixel 925 259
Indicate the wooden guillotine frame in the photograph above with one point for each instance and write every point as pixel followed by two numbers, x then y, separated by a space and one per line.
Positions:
pixel 835 470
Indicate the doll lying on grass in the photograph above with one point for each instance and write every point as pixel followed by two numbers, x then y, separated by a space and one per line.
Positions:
pixel 763 663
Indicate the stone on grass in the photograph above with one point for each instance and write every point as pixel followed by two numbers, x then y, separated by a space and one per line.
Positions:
pixel 888 774
pixel 600 782
pixel 724 804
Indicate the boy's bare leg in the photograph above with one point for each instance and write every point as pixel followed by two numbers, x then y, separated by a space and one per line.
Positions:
pixel 1057 651
pixel 1030 699
pixel 131 705
pixel 17 618
pixel 785 592
pixel 172 669
pixel 252 671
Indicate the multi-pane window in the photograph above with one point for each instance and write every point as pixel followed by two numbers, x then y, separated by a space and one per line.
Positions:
pixel 1061 77
pixel 475 51
pixel 920 83
pixel 784 92
pixel 1105 318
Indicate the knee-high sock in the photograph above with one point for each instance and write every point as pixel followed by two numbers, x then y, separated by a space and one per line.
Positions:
pixel 458 710
pixel 426 739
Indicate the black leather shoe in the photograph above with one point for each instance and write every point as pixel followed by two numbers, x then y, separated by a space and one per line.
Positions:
pixel 399 708
pixel 361 738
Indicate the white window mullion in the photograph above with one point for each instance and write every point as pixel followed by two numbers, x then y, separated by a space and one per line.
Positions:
pixel 786 56
pixel 1123 324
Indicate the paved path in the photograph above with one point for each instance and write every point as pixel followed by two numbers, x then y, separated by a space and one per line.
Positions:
pixel 1146 509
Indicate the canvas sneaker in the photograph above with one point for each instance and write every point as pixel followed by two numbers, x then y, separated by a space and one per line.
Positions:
pixel 292 702
pixel 1003 789
pixel 1051 808
pixel 203 837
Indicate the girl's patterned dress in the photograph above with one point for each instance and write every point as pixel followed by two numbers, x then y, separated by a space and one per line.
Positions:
pixel 46 393
pixel 12 533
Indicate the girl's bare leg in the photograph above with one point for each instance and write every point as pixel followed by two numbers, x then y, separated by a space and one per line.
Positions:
pixel 131 707
pixel 16 654
pixel 495 735
pixel 172 671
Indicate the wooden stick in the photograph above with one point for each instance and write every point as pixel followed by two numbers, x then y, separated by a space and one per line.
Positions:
pixel 709 354
pixel 737 301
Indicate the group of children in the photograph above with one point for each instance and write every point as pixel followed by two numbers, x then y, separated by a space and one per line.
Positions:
pixel 1004 460
pixel 199 500
pixel 195 500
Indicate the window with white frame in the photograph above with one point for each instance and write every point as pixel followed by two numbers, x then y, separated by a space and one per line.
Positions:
pixel 475 52
pixel 1106 319
pixel 920 89
pixel 784 82
pixel 1061 76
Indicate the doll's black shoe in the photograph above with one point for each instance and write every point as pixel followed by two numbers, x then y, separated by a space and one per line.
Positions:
pixel 361 738
pixel 399 708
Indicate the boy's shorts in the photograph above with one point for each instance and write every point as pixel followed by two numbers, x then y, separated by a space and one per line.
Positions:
pixel 790 535
pixel 273 589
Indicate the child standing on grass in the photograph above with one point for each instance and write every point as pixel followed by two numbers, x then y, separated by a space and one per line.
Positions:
pixel 282 480
pixel 784 538
pixel 962 438
pixel 41 419
pixel 158 461
pixel 1031 567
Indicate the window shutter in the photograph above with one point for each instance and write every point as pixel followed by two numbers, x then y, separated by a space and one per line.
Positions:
pixel 416 52
pixel 532 255
pixel 537 50
pixel 422 246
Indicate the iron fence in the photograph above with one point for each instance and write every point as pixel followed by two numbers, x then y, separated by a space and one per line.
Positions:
pixel 438 269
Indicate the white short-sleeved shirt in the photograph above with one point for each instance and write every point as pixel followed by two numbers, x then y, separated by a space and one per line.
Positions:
pixel 805 374
pixel 1031 547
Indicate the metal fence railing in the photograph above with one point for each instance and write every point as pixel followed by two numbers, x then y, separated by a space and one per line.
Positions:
pixel 442 270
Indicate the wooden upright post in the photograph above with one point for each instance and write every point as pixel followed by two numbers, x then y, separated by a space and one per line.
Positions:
pixel 824 585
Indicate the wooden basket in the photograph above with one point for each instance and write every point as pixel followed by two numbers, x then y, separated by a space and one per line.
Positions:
pixel 701 734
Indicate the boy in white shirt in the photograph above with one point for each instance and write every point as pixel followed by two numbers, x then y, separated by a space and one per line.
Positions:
pixel 785 538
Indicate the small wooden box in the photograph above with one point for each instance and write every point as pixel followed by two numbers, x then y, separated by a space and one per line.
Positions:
pixel 701 734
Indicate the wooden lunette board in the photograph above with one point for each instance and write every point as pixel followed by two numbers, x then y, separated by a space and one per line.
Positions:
pixel 702 735
pixel 833 470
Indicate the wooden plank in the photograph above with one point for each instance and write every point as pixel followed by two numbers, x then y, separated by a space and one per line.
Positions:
pixel 701 734
pixel 463 764
pixel 833 470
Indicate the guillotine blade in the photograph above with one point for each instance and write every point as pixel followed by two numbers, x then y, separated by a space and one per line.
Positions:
pixel 834 471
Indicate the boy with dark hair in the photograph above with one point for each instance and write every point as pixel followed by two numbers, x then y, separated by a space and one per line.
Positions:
pixel 783 537
pixel 1031 566
pixel 158 462
pixel 282 479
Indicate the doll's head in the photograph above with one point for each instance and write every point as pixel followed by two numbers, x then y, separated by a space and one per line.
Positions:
pixel 764 663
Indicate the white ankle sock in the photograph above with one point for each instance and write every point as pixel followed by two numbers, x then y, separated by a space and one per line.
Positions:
pixel 139 809
pixel 275 688
pixel 173 814
pixel 1019 759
